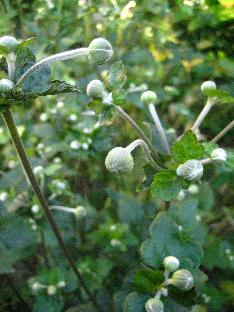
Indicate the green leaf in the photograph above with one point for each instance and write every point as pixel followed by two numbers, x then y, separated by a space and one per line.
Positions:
pixel 184 298
pixel 117 76
pixel 166 185
pixel 24 60
pixel 135 303
pixel 148 281
pixel 58 87
pixel 223 96
pixel 187 148
pixel 6 260
pixel 38 81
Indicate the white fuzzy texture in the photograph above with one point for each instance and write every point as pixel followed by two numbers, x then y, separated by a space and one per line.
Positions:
pixel 208 85
pixel 154 305
pixel 191 170
pixel 171 263
pixel 6 85
pixel 182 279
pixel 95 89
pixel 148 97
pixel 219 155
pixel 119 160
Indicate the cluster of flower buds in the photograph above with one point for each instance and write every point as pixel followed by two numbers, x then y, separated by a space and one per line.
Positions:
pixel 182 279
pixel 50 289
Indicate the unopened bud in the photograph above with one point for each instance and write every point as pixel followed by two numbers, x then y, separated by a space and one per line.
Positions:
pixel 8 42
pixel 171 263
pixel 6 85
pixel 191 170
pixel 51 290
pixel 99 51
pixel 182 279
pixel 119 160
pixel 148 97
pixel 208 85
pixel 219 155
pixel 154 305
pixel 95 89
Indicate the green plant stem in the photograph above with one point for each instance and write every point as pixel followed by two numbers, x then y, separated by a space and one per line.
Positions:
pixel 10 123
pixel 223 132
pixel 127 118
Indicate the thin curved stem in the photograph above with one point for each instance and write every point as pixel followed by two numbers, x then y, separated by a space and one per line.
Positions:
pixel 68 55
pixel 159 127
pixel 146 150
pixel 202 115
pixel 223 132
pixel 11 65
pixel 10 123
pixel 127 118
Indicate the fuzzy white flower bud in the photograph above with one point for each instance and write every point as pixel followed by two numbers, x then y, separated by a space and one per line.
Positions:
pixel 8 42
pixel 191 170
pixel 119 160
pixel 182 279
pixel 154 305
pixel 219 155
pixel 61 284
pixel 51 290
pixel 6 85
pixel 95 89
pixel 171 263
pixel 208 85
pixel 148 97
pixel 80 212
pixel 99 51
pixel 193 189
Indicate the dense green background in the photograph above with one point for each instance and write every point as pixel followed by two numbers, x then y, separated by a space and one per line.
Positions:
pixel 169 46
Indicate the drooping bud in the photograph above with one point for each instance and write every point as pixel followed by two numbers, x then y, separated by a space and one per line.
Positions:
pixel 154 305
pixel 191 170
pixel 6 85
pixel 219 155
pixel 80 212
pixel 182 279
pixel 208 85
pixel 148 97
pixel 171 263
pixel 95 89
pixel 9 43
pixel 99 51
pixel 119 160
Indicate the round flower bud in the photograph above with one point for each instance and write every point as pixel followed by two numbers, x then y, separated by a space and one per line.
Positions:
pixel 182 279
pixel 154 305
pixel 171 263
pixel 148 97
pixel 99 51
pixel 119 160
pixel 191 170
pixel 193 189
pixel 6 85
pixel 95 89
pixel 51 290
pixel 219 155
pixel 80 212
pixel 8 42
pixel 208 85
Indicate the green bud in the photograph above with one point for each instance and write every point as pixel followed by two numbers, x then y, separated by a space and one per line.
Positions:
pixel 171 263
pixel 99 51
pixel 182 279
pixel 148 97
pixel 95 89
pixel 191 170
pixel 9 42
pixel 208 85
pixel 119 160
pixel 6 85
pixel 154 305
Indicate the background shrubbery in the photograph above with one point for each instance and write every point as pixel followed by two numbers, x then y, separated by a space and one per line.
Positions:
pixel 170 47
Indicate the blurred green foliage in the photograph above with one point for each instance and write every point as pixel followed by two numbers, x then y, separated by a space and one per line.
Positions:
pixel 170 47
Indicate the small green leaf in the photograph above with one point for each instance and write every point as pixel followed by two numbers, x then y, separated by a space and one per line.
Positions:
pixel 148 281
pixel 223 96
pixel 24 60
pixel 58 87
pixel 38 81
pixel 117 76
pixel 135 303
pixel 187 148
pixel 166 185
